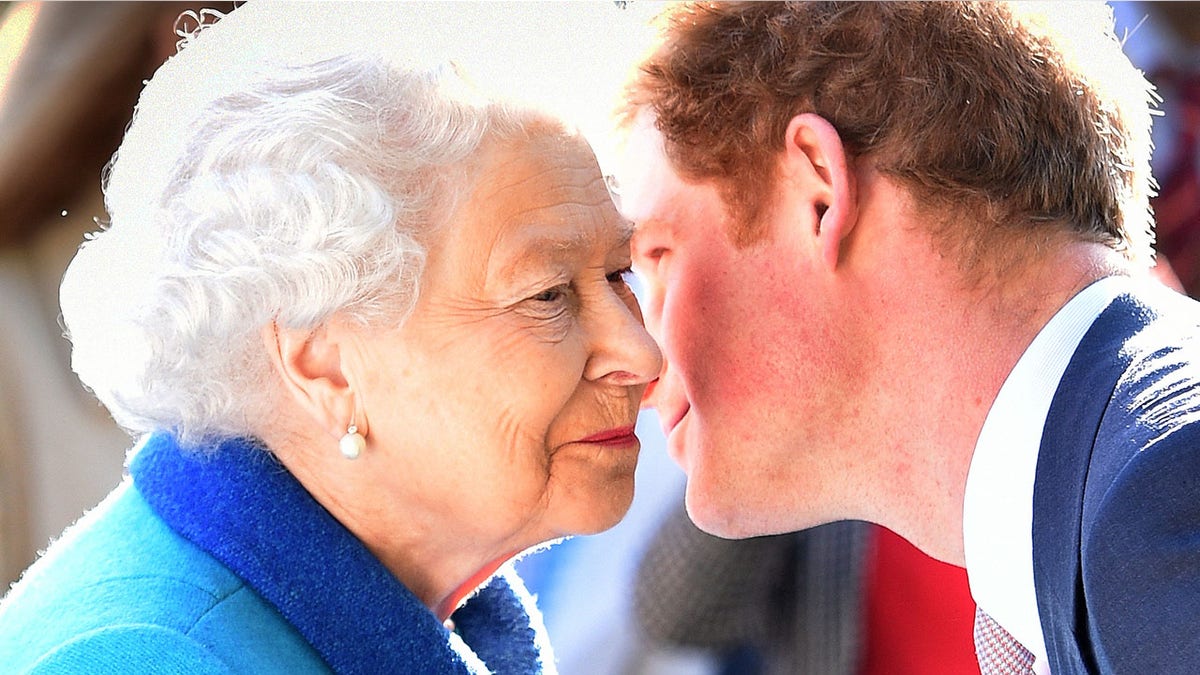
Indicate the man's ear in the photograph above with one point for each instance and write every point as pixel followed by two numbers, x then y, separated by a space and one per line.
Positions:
pixel 816 161
pixel 310 366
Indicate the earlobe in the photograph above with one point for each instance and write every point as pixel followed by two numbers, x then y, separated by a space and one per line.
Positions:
pixel 818 161
pixel 310 367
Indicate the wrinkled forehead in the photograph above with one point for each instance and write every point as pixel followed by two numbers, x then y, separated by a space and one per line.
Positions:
pixel 540 195
pixel 547 168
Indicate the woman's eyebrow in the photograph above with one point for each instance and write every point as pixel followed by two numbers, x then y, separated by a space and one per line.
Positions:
pixel 532 249
pixel 536 247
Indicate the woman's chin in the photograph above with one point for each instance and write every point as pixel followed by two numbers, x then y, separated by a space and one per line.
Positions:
pixel 602 513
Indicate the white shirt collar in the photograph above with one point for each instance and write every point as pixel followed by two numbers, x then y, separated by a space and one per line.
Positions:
pixel 998 503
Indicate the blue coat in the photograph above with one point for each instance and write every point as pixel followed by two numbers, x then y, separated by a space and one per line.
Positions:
pixel 223 563
pixel 1116 531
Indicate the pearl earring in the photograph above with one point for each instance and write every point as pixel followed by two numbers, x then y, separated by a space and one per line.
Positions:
pixel 353 443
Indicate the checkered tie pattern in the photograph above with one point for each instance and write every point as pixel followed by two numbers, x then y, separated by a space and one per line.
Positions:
pixel 999 653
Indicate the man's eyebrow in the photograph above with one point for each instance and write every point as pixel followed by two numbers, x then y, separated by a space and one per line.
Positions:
pixel 637 226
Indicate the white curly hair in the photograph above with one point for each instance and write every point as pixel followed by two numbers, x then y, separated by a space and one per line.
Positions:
pixel 257 183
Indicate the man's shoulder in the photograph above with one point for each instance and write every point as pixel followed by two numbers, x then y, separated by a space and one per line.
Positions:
pixel 1144 351
pixel 1149 434
pixel 1139 527
pixel 119 580
pixel 1132 383
pixel 1140 538
pixel 1156 398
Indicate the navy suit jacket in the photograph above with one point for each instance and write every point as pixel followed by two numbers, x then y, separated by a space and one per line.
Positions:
pixel 1116 526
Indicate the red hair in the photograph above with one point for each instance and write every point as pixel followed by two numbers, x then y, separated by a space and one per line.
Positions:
pixel 974 110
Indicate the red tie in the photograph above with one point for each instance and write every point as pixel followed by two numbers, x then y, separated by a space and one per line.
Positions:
pixel 999 653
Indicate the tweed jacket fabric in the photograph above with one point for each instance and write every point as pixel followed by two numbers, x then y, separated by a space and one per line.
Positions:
pixel 220 562
pixel 794 601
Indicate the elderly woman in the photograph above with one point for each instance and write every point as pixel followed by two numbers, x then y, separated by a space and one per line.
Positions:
pixel 375 334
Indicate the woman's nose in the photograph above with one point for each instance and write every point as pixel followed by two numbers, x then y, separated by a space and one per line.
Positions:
pixel 623 352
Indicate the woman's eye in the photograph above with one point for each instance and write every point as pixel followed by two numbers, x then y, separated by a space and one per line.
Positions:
pixel 549 295
pixel 620 276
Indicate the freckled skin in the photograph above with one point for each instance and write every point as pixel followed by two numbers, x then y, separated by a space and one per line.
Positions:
pixel 517 349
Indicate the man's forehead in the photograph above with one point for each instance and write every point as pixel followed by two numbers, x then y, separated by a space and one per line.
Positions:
pixel 644 178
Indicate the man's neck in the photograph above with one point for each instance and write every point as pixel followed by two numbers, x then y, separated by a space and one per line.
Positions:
pixel 942 364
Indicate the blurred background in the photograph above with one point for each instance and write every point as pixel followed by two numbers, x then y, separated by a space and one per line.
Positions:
pixel 70 73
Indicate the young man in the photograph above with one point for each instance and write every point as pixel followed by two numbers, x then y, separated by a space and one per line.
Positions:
pixel 896 256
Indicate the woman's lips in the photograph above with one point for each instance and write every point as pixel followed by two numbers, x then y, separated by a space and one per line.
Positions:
pixel 618 437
